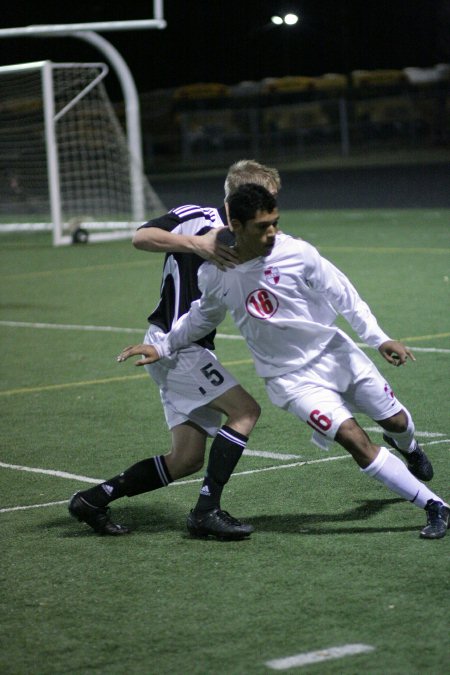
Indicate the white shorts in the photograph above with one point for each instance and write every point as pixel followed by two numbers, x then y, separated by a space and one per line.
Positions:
pixel 338 383
pixel 187 382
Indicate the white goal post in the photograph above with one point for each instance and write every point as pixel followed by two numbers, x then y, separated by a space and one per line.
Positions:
pixel 64 159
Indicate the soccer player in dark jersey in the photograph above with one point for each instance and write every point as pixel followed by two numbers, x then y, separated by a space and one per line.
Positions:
pixel 196 390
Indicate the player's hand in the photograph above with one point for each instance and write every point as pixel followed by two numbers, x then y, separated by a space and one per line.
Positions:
pixel 147 353
pixel 395 352
pixel 209 248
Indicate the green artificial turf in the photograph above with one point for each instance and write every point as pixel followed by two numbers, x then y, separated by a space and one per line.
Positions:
pixel 335 558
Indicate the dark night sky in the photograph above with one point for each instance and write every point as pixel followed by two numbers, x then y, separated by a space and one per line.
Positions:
pixel 232 40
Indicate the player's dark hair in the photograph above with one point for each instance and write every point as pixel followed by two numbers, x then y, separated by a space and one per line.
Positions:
pixel 247 200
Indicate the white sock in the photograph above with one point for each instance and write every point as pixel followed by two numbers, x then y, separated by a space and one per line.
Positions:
pixel 390 470
pixel 404 440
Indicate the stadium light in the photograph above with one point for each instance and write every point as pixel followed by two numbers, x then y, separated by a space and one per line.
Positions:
pixel 288 19
pixel 291 19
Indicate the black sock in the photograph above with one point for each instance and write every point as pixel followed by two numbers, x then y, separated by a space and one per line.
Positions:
pixel 226 450
pixel 144 476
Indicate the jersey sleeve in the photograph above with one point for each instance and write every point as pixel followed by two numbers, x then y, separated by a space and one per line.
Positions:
pixel 325 278
pixel 167 222
pixel 205 314
pixel 187 219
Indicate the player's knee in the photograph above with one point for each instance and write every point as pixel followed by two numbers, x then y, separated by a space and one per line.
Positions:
pixel 253 410
pixel 187 467
pixel 244 418
pixel 181 464
pixel 355 440
pixel 193 466
pixel 397 424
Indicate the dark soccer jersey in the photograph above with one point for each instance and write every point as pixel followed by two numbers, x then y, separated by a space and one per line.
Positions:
pixel 179 287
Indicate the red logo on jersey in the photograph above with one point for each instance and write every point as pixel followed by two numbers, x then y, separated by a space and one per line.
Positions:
pixel 261 304
pixel 272 275
pixel 388 391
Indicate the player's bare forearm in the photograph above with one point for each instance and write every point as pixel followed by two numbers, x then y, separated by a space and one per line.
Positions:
pixel 395 352
pixel 157 240
pixel 148 354
pixel 207 246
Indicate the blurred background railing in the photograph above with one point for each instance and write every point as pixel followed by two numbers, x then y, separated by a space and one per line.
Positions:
pixel 287 118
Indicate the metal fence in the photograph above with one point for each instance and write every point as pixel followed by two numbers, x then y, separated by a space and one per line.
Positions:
pixel 210 130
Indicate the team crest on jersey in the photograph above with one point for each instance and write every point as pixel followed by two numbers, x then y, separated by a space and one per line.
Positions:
pixel 272 275
pixel 388 391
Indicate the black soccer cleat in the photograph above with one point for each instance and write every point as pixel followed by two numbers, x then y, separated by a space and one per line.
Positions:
pixel 217 523
pixel 418 463
pixel 97 517
pixel 437 520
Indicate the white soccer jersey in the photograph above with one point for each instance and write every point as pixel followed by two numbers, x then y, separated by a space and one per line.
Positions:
pixel 284 305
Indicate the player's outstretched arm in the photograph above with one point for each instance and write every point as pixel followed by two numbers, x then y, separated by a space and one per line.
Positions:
pixel 395 352
pixel 148 353
pixel 207 246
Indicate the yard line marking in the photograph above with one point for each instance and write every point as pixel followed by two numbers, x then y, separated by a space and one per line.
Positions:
pixel 424 337
pixel 86 479
pixel 87 327
pixel 327 654
pixel 68 270
pixel 69 326
pixel 68 385
pixel 51 472
pixel 289 466
pixel 431 350
pixel 424 434
pixel 222 336
pixel 269 455
pixel 86 383
pixel 33 506
pixel 444 440
pixel 107 380
pixel 383 249
pixel 50 387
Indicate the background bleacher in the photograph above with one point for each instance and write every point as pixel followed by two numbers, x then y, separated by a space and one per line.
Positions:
pixel 292 117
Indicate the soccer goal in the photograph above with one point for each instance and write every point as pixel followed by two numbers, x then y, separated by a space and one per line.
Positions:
pixel 65 164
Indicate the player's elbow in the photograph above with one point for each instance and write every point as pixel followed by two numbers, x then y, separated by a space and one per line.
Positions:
pixel 137 239
pixel 142 241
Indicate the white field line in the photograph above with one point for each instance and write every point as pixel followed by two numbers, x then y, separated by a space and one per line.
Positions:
pixel 269 455
pixel 422 434
pixel 103 329
pixel 68 326
pixel 327 654
pixel 444 440
pixel 33 506
pixel 86 479
pixel 250 453
pixel 141 331
pixel 51 472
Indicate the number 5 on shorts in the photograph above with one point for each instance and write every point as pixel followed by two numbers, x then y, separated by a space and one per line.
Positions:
pixel 212 374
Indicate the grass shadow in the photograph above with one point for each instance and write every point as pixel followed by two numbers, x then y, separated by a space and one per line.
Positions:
pixel 315 523
pixel 158 518
pixel 150 519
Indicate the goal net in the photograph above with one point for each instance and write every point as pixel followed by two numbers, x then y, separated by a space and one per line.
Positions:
pixel 65 163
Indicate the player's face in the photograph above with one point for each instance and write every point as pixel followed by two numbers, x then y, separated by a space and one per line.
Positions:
pixel 257 237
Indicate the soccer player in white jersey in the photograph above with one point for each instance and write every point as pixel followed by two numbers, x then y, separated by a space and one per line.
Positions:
pixel 196 390
pixel 284 297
